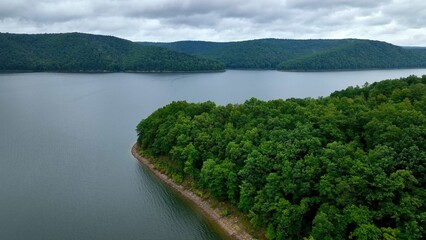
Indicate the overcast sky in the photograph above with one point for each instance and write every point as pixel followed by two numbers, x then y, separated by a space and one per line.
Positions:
pixel 401 22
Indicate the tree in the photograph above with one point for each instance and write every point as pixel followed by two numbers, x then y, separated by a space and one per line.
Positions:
pixel 347 166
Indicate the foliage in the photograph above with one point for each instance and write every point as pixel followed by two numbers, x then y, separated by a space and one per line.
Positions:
pixel 359 55
pixel 77 52
pixel 351 165
pixel 303 55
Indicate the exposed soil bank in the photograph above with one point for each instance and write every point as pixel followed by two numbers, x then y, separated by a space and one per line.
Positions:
pixel 228 223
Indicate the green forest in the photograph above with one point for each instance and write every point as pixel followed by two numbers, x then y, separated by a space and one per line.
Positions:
pixel 304 55
pixel 351 165
pixel 78 52
pixel 252 54
pixel 359 55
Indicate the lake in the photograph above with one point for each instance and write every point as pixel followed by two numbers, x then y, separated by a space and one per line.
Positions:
pixel 66 171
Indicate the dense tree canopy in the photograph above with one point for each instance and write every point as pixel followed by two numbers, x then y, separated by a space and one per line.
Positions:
pixel 359 55
pixel 77 52
pixel 303 55
pixel 351 165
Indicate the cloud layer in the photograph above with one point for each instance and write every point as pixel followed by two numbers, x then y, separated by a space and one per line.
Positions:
pixel 401 22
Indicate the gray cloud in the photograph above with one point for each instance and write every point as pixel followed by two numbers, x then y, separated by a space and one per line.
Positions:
pixel 331 4
pixel 402 22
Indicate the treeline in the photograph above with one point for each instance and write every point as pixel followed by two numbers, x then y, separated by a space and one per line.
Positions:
pixel 351 165
pixel 304 55
pixel 78 52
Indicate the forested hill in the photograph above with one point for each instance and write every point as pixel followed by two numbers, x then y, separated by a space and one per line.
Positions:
pixel 348 166
pixel 304 55
pixel 78 52
pixel 360 55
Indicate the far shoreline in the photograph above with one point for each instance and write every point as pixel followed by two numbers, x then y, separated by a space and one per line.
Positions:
pixel 227 223
pixel 212 71
pixel 105 71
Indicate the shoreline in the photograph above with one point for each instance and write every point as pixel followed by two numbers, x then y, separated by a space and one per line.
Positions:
pixel 228 224
pixel 107 71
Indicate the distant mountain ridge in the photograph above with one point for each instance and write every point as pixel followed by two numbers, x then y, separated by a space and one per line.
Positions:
pixel 361 54
pixel 304 55
pixel 79 52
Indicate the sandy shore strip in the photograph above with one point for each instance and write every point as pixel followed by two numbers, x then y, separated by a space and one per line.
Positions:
pixel 229 224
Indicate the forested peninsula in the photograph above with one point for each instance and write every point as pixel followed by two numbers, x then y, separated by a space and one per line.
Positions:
pixel 79 52
pixel 304 55
pixel 350 165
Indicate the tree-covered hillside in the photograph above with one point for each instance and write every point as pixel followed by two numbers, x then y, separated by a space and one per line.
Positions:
pixel 252 54
pixel 351 165
pixel 75 52
pixel 304 55
pixel 359 54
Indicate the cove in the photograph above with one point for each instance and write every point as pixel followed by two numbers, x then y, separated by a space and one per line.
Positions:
pixel 65 167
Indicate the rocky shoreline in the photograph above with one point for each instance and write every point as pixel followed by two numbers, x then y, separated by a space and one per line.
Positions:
pixel 228 223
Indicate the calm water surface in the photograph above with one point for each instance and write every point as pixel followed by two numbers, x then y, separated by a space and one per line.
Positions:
pixel 66 171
